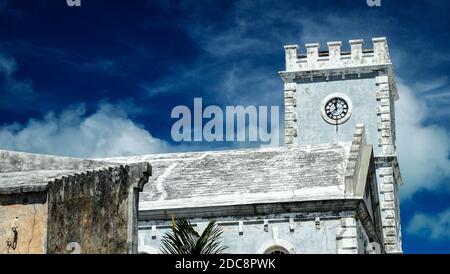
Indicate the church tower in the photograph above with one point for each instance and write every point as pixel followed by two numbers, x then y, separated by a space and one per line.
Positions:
pixel 328 93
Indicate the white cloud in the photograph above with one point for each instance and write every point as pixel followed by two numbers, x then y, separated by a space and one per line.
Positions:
pixel 435 227
pixel 431 84
pixel 107 132
pixel 422 150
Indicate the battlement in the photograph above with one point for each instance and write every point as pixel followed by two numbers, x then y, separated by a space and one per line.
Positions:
pixel 334 58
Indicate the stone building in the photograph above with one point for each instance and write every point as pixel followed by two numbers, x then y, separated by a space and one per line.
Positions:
pixel 54 204
pixel 332 188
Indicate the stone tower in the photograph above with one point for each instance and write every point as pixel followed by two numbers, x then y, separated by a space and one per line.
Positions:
pixel 327 93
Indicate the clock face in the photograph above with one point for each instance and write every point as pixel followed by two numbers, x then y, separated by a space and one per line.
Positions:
pixel 336 108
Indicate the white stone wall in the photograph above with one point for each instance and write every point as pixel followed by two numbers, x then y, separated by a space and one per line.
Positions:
pixel 390 207
pixel 326 235
pixel 295 61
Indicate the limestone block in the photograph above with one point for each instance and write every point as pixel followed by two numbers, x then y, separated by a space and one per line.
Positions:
pixel 390 248
pixel 290 124
pixel 289 139
pixel 388 179
pixel 348 222
pixel 390 240
pixel 389 231
pixel 385 117
pixel 384 126
pixel 289 109
pixel 387 188
pixel 290 86
pixel 384 141
pixel 385 171
pixel 388 197
pixel 385 133
pixel 291 132
pixel 349 243
pixel 288 94
pixel 389 223
pixel 389 214
pixel 346 232
pixel 290 117
pixel 388 149
pixel 385 102
pixel 384 109
pixel 290 102
pixel 348 251
pixel 382 95
pixel 383 87
pixel 387 205
pixel 382 79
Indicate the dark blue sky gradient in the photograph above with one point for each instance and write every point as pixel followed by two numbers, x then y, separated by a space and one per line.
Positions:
pixel 149 56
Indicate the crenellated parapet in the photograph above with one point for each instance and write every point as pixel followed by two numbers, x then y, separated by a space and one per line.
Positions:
pixel 335 58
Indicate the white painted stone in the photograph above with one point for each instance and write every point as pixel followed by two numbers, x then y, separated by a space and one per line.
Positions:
pixel 349 243
pixel 382 79
pixel 290 86
pixel 389 214
pixel 288 94
pixel 385 102
pixel 388 179
pixel 388 197
pixel 385 117
pixel 348 251
pixel 346 232
pixel 348 222
pixel 385 171
pixel 389 223
pixel 389 231
pixel 387 188
pixel 387 205
pixel 390 248
pixel 390 240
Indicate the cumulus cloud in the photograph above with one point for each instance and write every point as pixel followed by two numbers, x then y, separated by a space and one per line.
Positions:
pixel 422 150
pixel 434 227
pixel 107 132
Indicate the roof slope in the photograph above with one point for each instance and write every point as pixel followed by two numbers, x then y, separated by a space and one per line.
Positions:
pixel 27 172
pixel 243 176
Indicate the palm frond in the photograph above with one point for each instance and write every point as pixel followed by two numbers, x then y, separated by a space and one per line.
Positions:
pixel 183 239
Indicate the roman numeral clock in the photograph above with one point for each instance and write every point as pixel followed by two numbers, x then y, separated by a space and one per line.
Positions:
pixel 336 109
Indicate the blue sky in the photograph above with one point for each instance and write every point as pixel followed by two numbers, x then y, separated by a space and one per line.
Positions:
pixel 102 79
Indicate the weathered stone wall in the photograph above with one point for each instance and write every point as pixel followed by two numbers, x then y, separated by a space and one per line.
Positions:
pixel 13 161
pixel 27 213
pixel 293 233
pixel 97 210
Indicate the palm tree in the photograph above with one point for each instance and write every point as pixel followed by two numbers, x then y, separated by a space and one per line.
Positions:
pixel 185 240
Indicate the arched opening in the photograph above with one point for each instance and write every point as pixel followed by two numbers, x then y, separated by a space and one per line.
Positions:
pixel 276 249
